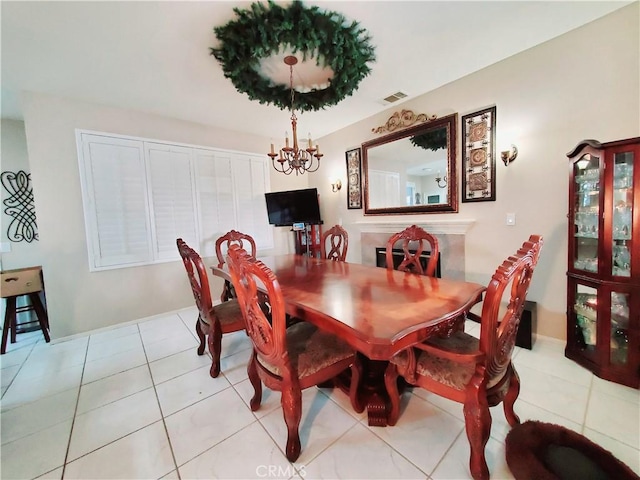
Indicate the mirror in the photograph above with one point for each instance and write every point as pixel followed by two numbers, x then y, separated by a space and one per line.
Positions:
pixel 412 170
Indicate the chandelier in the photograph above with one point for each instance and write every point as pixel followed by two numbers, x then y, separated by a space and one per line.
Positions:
pixel 291 159
pixel 440 179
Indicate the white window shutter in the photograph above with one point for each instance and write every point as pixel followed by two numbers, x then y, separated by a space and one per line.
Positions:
pixel 139 196
pixel 172 198
pixel 251 181
pixel 216 204
pixel 116 213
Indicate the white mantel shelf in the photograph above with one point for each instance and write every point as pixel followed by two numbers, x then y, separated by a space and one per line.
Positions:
pixel 450 227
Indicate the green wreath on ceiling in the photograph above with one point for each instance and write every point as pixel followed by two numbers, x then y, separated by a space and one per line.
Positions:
pixel 262 30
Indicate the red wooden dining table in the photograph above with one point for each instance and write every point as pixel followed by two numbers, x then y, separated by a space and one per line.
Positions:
pixel 379 312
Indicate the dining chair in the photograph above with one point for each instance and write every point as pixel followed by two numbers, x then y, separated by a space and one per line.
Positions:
pixel 290 359
pixel 230 238
pixel 475 372
pixel 338 239
pixel 213 321
pixel 417 237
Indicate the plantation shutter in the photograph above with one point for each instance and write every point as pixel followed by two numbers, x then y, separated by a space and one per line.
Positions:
pixel 116 210
pixel 217 206
pixel 250 185
pixel 139 196
pixel 171 197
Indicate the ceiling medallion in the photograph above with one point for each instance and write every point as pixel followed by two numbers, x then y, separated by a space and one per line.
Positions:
pixel 266 29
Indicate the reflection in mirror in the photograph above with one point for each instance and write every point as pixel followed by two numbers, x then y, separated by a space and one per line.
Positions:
pixel 412 170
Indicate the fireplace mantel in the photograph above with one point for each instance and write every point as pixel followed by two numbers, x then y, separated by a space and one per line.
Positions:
pixel 444 227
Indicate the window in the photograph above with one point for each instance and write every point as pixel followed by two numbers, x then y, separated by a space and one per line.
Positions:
pixel 139 196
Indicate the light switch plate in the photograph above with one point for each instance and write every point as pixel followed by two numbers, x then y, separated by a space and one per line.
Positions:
pixel 511 219
pixel 5 247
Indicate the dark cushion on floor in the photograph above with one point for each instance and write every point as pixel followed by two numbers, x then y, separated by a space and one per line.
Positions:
pixel 571 464
pixel 544 451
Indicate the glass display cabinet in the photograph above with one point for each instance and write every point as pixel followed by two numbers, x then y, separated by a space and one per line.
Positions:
pixel 603 289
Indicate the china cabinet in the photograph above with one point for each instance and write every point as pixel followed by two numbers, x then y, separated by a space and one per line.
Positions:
pixel 603 290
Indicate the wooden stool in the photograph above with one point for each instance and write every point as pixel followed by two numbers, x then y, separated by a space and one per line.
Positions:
pixel 16 283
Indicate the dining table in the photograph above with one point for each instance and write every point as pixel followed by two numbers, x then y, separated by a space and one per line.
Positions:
pixel 377 311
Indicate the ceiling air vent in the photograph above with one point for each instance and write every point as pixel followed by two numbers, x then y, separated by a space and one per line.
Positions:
pixel 395 97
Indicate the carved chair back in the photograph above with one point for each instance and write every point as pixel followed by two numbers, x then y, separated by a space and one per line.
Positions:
pixel 264 312
pixel 237 238
pixel 498 331
pixel 338 240
pixel 232 237
pixel 416 238
pixel 197 273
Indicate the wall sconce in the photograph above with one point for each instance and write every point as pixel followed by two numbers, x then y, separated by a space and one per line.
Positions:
pixel 336 185
pixel 439 179
pixel 510 155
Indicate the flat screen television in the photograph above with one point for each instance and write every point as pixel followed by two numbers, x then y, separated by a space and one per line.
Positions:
pixel 293 206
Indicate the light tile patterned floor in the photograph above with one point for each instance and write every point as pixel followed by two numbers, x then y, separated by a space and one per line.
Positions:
pixel 137 402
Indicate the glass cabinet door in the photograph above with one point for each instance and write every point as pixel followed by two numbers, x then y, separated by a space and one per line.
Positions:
pixel 619 337
pixel 587 212
pixel 607 305
pixel 585 309
pixel 623 167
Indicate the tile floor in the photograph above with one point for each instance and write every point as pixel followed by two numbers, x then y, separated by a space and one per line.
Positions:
pixel 137 402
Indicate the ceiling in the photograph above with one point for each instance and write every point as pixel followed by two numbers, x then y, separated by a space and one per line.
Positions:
pixel 154 56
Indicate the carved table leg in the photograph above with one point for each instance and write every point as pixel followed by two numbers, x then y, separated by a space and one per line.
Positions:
pixel 372 392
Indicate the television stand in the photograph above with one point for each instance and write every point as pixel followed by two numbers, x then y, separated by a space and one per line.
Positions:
pixel 307 240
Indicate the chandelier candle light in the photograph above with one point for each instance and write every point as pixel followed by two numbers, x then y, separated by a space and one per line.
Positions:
pixel 296 159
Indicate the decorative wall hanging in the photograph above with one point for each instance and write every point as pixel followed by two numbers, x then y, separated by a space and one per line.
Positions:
pixel 19 205
pixel 354 176
pixel 402 119
pixel 266 29
pixel 479 159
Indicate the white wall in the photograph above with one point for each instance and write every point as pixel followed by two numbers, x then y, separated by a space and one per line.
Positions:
pixel 78 300
pixel 584 84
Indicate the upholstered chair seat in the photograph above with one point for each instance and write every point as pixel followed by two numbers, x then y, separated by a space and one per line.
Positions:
pixel 228 313
pixel 453 373
pixel 442 370
pixel 310 350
